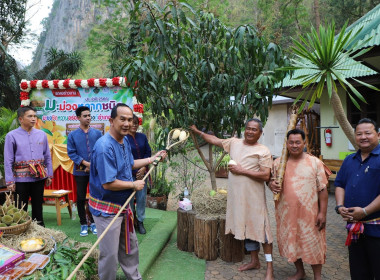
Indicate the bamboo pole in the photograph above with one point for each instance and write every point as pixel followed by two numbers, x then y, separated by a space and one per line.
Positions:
pixel 284 154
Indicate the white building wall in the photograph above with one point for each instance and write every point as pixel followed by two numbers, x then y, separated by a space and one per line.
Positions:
pixel 275 129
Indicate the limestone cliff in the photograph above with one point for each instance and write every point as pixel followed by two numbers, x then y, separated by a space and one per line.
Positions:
pixel 67 27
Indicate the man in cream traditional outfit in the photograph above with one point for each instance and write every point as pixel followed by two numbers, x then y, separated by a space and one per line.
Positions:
pixel 247 214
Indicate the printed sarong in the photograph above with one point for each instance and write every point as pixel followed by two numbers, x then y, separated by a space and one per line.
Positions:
pixel 355 229
pixel 113 209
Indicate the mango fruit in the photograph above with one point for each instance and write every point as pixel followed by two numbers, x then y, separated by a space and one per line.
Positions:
pixel 232 162
pixel 176 134
pixel 182 135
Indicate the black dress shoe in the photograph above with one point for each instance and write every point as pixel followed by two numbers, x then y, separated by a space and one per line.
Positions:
pixel 140 227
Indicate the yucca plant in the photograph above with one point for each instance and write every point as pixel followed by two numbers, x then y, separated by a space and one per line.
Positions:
pixel 327 58
pixel 8 122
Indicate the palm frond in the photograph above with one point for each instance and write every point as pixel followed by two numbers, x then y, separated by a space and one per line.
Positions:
pixel 323 58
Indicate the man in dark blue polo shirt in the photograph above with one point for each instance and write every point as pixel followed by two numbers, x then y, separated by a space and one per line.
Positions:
pixel 358 202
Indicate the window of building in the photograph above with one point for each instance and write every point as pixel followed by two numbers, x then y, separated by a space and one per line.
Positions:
pixel 371 109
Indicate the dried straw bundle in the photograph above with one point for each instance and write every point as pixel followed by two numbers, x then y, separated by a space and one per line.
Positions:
pixel 207 206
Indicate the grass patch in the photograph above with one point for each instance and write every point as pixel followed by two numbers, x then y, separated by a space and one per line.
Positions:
pixel 175 264
pixel 72 227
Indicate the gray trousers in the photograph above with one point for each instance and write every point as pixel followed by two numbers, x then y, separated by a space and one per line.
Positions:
pixel 252 245
pixel 112 250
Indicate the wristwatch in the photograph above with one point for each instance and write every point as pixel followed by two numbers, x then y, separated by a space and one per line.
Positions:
pixel 337 208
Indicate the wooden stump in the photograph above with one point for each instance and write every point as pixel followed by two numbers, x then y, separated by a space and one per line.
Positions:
pixel 206 238
pixel 230 249
pixel 185 230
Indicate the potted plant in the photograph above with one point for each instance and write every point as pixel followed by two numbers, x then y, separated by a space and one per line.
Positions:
pixel 159 187
pixel 222 169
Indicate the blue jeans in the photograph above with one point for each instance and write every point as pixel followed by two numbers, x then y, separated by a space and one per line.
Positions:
pixel 140 203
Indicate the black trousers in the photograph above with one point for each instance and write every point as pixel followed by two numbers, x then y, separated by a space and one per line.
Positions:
pixel 34 190
pixel 82 182
pixel 365 258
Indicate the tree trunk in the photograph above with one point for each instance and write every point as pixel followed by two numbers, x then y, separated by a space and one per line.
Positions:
pixel 206 238
pixel 208 163
pixel 213 167
pixel 316 14
pixel 342 118
pixel 185 230
pixel 230 249
pixel 213 180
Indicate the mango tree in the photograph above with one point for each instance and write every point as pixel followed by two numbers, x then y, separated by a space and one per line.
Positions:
pixel 191 66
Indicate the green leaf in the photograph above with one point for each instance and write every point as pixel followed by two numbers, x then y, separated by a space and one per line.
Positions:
pixel 174 12
pixel 161 27
pixel 47 131
pixel 212 66
pixel 153 85
pixel 366 84
pixel 354 101
pixel 183 18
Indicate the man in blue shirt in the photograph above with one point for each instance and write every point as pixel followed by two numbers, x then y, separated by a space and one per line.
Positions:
pixel 79 148
pixel 357 197
pixel 111 184
pixel 140 149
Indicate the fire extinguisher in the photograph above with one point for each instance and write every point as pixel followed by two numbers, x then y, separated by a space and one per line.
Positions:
pixel 328 137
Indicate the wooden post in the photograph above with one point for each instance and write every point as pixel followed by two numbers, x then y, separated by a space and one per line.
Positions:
pixel 185 230
pixel 206 238
pixel 230 249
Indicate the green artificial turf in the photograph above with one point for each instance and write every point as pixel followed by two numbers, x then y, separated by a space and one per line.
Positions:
pixel 72 227
pixel 175 264
pixel 158 253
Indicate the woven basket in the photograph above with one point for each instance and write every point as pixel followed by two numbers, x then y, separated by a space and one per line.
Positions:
pixel 15 230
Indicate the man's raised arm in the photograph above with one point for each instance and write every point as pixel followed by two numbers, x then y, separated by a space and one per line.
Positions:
pixel 212 139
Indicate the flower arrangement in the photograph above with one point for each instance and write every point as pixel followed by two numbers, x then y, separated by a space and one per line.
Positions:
pixel 27 86
pixel 138 108
pixel 55 133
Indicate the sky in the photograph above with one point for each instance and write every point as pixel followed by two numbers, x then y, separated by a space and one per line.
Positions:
pixel 40 9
